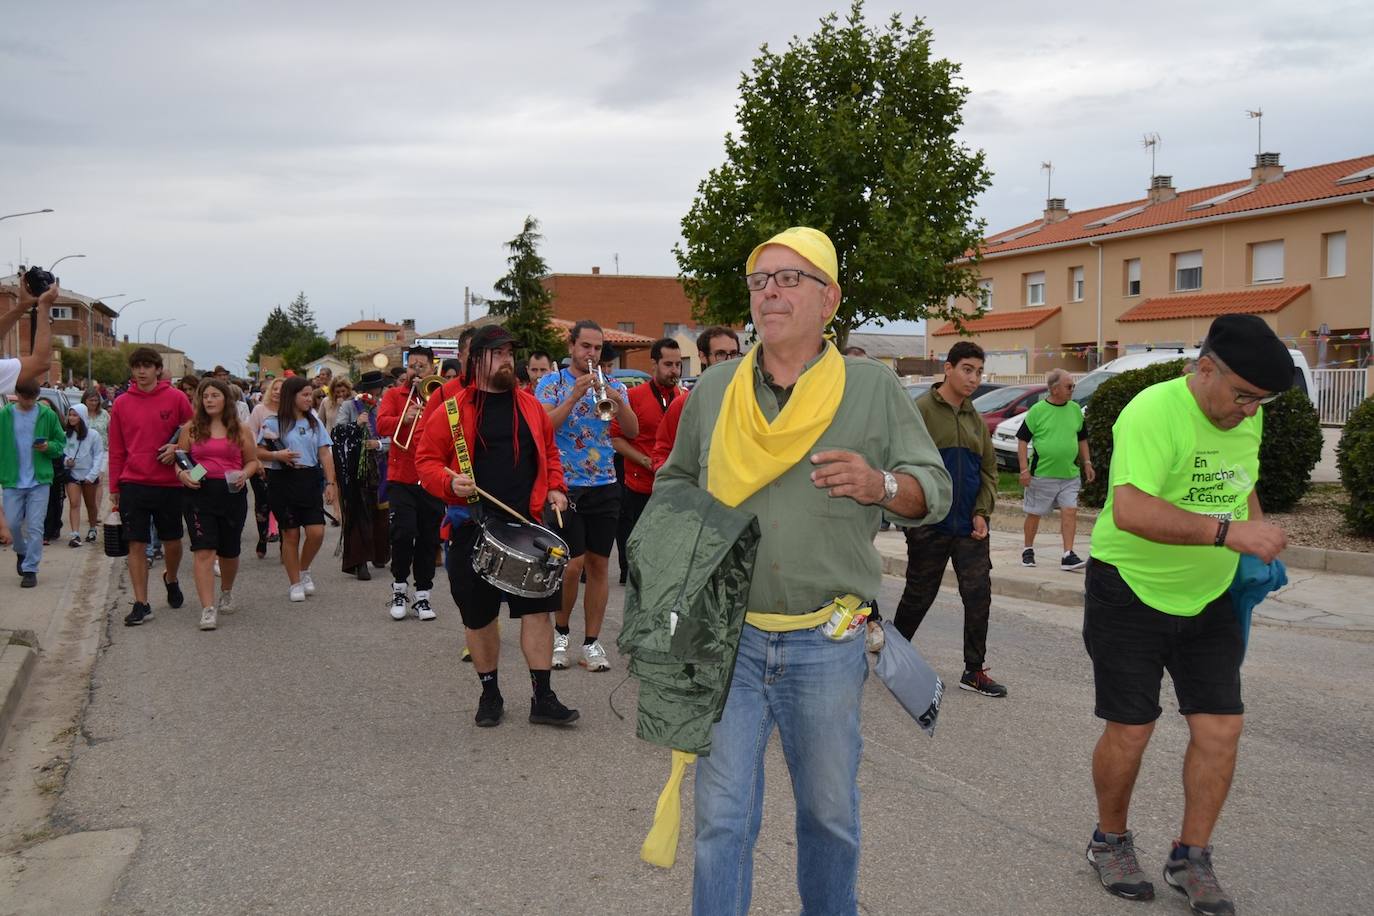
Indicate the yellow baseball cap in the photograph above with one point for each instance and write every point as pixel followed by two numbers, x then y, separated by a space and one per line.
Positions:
pixel 811 244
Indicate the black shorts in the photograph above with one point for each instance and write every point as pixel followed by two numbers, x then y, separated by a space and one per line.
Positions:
pixel 141 507
pixel 479 602
pixel 590 521
pixel 215 517
pixel 295 496
pixel 1132 645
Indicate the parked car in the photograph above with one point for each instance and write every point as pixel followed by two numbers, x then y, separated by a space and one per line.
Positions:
pixel 1004 436
pixel 916 389
pixel 56 396
pixel 630 377
pixel 1011 401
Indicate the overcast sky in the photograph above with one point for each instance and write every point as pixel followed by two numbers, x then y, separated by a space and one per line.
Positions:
pixel 215 158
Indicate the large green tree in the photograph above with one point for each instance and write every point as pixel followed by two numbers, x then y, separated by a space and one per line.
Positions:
pixel 852 131
pixel 302 317
pixel 276 335
pixel 525 303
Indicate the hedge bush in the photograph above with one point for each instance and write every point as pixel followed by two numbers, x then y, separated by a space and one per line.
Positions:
pixel 1355 459
pixel 1290 449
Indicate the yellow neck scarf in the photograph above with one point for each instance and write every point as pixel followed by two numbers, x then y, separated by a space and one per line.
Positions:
pixel 748 452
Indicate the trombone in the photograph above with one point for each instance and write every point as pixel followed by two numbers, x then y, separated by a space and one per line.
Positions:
pixel 425 388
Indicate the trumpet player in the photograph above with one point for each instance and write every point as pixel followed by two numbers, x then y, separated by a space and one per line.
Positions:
pixel 582 402
pixel 415 515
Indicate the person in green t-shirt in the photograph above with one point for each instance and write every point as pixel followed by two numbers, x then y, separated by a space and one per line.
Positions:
pixel 1181 509
pixel 1050 478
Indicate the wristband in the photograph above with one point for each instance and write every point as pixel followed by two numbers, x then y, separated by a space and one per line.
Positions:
pixel 1223 527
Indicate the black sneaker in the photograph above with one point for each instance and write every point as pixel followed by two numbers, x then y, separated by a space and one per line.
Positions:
pixel 979 682
pixel 547 710
pixel 1028 557
pixel 490 708
pixel 28 580
pixel 363 573
pixel 1195 877
pixel 141 612
pixel 1072 561
pixel 19 564
pixel 174 596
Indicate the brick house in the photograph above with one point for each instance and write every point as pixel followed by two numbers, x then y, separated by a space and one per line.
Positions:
pixel 640 307
pixel 77 321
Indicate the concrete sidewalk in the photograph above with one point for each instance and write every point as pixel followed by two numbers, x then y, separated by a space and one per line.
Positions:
pixel 1317 598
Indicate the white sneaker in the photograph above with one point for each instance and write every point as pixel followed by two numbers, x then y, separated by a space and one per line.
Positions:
pixel 217 569
pixel 226 603
pixel 307 583
pixel 296 592
pixel 421 606
pixel 560 651
pixel 208 620
pixel 594 657
pixel 398 602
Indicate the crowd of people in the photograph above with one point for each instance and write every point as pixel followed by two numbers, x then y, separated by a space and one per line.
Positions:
pixel 421 473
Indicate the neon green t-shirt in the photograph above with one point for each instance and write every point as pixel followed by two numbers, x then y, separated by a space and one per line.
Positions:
pixel 1164 445
pixel 1055 429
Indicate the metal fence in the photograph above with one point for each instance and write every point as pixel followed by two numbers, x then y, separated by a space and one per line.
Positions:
pixel 1339 391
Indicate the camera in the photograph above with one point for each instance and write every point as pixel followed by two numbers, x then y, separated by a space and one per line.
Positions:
pixel 38 281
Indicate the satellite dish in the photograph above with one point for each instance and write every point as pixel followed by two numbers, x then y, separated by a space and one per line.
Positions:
pixel 380 360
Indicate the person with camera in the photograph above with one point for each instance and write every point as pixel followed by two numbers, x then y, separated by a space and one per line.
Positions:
pixel 30 435
pixel 415 515
pixel 583 431
pixel 37 293
pixel 143 484
pixel 221 457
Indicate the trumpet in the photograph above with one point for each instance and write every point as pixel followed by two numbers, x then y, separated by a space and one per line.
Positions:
pixel 605 407
pixel 421 390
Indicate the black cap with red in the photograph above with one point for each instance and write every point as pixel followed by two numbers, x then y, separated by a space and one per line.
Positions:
pixel 490 337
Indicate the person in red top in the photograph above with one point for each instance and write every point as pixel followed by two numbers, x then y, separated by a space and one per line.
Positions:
pixel 144 489
pixel 650 401
pixel 716 344
pixel 514 456
pixel 415 515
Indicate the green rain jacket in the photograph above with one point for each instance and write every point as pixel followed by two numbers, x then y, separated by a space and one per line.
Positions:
pixel 685 602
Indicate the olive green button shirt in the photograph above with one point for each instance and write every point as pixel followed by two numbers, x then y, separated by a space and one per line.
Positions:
pixel 815 547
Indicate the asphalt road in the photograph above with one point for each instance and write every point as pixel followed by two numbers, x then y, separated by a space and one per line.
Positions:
pixel 321 758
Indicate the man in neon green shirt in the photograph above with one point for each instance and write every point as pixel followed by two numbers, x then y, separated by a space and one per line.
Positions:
pixel 1181 509
pixel 1050 478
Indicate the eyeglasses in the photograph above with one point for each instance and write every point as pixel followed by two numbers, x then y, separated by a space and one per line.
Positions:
pixel 785 279
pixel 719 355
pixel 1247 399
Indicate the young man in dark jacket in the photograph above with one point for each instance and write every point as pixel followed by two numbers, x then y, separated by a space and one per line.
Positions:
pixel 966 446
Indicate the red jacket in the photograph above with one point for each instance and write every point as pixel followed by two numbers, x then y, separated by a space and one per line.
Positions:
pixel 400 462
pixel 644 401
pixel 434 452
pixel 140 424
pixel 667 431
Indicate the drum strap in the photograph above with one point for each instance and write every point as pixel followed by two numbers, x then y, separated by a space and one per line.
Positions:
pixel 460 442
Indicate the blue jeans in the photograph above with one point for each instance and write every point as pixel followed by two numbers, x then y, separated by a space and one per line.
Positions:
pixel 810 687
pixel 25 511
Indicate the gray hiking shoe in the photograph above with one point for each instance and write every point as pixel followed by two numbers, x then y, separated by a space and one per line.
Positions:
pixel 1118 867
pixel 1194 876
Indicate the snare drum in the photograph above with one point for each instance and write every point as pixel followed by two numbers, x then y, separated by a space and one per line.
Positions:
pixel 520 558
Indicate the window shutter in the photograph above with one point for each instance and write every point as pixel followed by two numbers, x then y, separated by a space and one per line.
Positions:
pixel 1266 261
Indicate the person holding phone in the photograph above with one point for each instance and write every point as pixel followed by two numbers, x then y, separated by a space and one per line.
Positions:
pixel 222 456
pixel 26 473
pixel 296 449
pixel 82 459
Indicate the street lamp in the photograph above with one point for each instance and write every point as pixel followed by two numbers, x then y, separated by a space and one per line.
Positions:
pixel 157 330
pixel 63 258
pixel 26 213
pixel 173 331
pixel 90 322
pixel 138 335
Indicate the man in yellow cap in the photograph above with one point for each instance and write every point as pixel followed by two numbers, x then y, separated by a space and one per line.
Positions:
pixel 819 447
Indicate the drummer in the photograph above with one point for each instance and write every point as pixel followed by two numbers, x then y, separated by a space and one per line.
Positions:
pixel 514 459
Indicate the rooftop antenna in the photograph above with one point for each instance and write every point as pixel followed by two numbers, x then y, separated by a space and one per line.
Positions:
pixel 1048 168
pixel 616 258
pixel 1258 117
pixel 1151 142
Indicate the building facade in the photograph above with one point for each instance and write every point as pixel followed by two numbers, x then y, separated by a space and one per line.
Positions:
pixel 638 307
pixel 368 335
pixel 1077 288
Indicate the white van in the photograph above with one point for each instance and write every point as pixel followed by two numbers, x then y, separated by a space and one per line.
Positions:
pixel 1004 437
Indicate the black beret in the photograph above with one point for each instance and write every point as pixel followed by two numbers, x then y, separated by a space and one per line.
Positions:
pixel 1251 349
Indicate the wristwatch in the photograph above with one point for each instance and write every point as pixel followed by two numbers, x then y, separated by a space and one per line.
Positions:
pixel 889 488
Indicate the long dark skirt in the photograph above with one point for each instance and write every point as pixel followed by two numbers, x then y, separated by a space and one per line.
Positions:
pixel 366 532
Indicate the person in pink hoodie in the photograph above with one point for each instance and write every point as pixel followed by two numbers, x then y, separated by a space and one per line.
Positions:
pixel 144 489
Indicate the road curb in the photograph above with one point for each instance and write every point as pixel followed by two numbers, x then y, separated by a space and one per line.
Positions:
pixel 1044 592
pixel 18 657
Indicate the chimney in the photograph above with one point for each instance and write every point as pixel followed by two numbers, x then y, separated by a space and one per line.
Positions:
pixel 596 271
pixel 407 331
pixel 1162 189
pixel 1267 168
pixel 1055 211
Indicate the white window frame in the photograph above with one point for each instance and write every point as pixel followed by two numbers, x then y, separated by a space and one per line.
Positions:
pixel 1035 288
pixel 1132 277
pixel 1266 261
pixel 1185 263
pixel 985 287
pixel 60 312
pixel 1076 284
pixel 1330 245
pixel 371 335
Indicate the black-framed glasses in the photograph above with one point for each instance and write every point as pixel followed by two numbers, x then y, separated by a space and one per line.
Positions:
pixel 719 355
pixel 786 278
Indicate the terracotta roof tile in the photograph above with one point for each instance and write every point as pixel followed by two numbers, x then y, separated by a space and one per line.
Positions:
pixel 1295 187
pixel 612 336
pixel 1002 321
pixel 370 325
pixel 1209 305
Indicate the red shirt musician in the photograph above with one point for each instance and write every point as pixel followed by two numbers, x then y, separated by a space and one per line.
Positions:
pixel 650 401
pixel 717 344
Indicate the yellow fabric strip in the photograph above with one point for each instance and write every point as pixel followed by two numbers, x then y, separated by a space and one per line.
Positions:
pixel 786 623
pixel 748 452
pixel 660 846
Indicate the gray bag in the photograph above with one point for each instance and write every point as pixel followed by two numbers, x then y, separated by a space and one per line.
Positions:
pixel 913 682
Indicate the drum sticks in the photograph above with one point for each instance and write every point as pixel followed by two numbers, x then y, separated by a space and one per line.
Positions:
pixel 492 499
